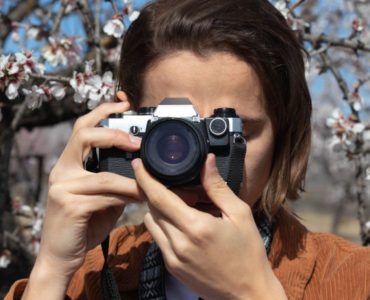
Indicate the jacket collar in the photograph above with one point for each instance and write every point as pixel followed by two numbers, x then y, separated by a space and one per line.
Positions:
pixel 293 254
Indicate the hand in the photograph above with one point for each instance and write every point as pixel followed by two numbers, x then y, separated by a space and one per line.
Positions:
pixel 218 258
pixel 82 206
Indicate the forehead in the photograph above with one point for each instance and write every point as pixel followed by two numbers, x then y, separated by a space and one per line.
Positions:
pixel 218 80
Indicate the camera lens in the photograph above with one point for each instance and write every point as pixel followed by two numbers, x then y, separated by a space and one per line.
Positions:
pixel 173 150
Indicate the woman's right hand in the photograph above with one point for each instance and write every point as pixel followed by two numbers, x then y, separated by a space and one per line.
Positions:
pixel 82 206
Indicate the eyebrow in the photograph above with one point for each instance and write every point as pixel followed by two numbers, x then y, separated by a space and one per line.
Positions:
pixel 251 120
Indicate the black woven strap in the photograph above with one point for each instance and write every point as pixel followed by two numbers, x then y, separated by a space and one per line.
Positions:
pixel 108 283
pixel 151 282
pixel 236 163
pixel 231 167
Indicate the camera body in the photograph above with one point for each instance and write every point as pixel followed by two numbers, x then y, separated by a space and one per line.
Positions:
pixel 176 141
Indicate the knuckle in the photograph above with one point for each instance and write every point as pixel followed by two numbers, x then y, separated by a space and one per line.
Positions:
pixel 54 191
pixel 58 195
pixel 182 250
pixel 118 135
pixel 82 135
pixel 200 233
pixel 245 211
pixel 103 178
pixel 80 123
pixel 216 184
pixel 172 264
pixel 155 198
pixel 53 177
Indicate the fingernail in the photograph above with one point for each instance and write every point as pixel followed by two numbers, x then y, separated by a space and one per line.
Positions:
pixel 134 139
pixel 212 162
pixel 135 163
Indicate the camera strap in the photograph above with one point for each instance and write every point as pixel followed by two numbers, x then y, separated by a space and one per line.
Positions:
pixel 108 283
pixel 231 167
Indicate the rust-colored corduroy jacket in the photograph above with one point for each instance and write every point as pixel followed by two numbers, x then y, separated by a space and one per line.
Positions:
pixel 309 265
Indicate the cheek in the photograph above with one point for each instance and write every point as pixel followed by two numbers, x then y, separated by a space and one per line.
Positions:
pixel 257 166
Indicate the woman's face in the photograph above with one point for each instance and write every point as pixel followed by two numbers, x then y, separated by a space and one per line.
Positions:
pixel 220 80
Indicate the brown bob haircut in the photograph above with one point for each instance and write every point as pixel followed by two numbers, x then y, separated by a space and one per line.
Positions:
pixel 254 31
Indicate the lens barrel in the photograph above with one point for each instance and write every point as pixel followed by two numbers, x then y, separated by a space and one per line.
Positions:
pixel 173 150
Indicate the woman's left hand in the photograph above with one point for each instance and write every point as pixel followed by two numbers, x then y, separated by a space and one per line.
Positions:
pixel 218 258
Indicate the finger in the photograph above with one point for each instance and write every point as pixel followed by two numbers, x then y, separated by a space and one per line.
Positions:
pixel 103 111
pixel 84 205
pixel 83 140
pixel 171 232
pixel 93 203
pixel 166 202
pixel 104 182
pixel 121 96
pixel 159 237
pixel 219 192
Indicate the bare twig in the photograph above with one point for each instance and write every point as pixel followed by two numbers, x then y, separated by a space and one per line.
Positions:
pixel 294 6
pixel 20 112
pixel 86 17
pixel 98 53
pixel 327 64
pixel 114 6
pixel 335 42
pixel 59 17
pixel 51 77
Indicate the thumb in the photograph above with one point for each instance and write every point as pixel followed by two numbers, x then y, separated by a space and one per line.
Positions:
pixel 219 192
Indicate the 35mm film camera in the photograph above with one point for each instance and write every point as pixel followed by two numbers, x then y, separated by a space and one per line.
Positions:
pixel 176 141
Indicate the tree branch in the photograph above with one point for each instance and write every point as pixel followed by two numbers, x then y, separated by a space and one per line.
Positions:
pixel 336 42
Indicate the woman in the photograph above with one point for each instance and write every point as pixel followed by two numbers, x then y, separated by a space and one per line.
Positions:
pixel 218 53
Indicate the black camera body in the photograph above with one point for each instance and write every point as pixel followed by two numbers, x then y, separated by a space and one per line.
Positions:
pixel 176 141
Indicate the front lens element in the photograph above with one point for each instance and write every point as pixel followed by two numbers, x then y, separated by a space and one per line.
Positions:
pixel 173 148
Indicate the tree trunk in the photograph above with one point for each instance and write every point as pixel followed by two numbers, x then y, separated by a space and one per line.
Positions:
pixel 6 143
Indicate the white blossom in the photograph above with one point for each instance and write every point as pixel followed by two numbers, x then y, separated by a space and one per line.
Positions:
pixel 12 90
pixel 282 6
pixel 114 27
pixel 35 97
pixel 368 178
pixel 33 33
pixel 3 63
pixel 12 68
pixel 134 15
pixel 15 70
pixel 345 132
pixel 81 88
pixel 60 52
pixel 15 36
pixel 358 25
pixel 57 90
pixel 367 225
pixel 92 88
pixel 4 261
pixel 102 89
pixel 356 101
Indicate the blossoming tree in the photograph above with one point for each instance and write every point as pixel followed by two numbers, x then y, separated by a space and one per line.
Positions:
pixel 49 74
